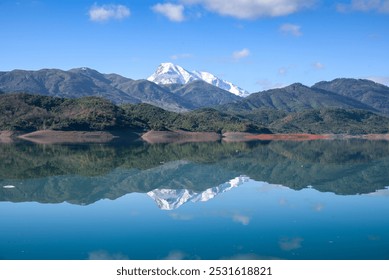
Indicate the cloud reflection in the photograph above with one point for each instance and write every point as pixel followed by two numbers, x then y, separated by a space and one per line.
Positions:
pixel 383 192
pixel 250 256
pixel 105 255
pixel 244 220
pixel 176 255
pixel 318 207
pixel 289 244
pixel 180 217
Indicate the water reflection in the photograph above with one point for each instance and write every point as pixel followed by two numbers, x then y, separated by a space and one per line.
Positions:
pixel 279 209
pixel 84 174
pixel 170 199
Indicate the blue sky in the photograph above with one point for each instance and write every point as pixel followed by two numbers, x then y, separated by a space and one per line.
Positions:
pixel 256 44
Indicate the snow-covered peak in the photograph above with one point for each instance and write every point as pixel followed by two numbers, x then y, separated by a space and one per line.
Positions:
pixel 169 73
pixel 169 199
pixel 228 86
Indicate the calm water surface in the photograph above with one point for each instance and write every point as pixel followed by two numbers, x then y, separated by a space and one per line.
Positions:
pixel 258 200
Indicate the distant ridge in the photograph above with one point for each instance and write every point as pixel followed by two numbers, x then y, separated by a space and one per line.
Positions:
pixel 368 92
pixel 340 94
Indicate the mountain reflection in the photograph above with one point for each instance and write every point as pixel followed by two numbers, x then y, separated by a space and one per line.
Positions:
pixel 84 174
pixel 169 199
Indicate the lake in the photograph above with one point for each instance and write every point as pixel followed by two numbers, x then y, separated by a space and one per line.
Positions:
pixel 255 200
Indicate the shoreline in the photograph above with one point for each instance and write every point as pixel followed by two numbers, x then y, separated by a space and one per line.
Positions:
pixel 67 137
pixel 7 136
pixel 244 137
pixel 179 136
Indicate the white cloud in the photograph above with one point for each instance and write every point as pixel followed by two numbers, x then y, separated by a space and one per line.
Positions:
pixel 365 5
pixel 241 54
pixel 108 12
pixel 318 65
pixel 285 70
pixel 282 71
pixel 380 79
pixel 181 56
pixel 251 9
pixel 172 11
pixel 266 84
pixel 381 6
pixel 291 29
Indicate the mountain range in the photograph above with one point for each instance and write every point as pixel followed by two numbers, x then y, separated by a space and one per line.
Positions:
pixel 352 106
pixel 81 82
pixel 173 88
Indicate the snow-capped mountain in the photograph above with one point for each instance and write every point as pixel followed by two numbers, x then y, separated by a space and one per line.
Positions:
pixel 170 199
pixel 169 73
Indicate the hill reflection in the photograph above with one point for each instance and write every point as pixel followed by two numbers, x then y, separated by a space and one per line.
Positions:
pixel 83 174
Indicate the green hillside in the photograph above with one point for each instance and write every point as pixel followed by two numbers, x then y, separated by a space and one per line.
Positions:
pixel 27 112
pixel 336 121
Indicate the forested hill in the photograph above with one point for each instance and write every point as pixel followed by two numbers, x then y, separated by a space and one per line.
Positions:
pixel 25 112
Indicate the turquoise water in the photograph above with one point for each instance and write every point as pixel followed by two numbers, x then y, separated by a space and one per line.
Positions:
pixel 262 200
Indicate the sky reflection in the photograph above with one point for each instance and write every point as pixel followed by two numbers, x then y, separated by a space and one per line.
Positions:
pixel 253 220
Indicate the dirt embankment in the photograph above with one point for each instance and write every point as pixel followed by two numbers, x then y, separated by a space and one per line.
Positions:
pixel 59 137
pixel 184 136
pixel 372 136
pixel 179 136
pixel 7 136
pixel 242 137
